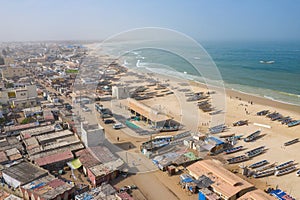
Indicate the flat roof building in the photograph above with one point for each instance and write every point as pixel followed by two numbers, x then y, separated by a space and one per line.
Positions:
pixel 37 131
pixel 22 173
pixel 20 97
pixel 145 111
pixel 48 188
pixel 55 161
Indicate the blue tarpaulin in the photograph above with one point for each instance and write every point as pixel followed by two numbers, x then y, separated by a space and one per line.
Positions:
pixel 279 194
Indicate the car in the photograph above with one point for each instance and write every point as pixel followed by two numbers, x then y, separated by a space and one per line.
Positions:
pixel 118 126
pixel 10 123
pixel 109 121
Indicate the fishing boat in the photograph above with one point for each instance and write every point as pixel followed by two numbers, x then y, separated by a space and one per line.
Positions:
pixel 227 135
pixel 293 123
pixel 285 170
pixel 291 142
pixel 237 159
pixel 233 150
pixel 234 138
pixel 284 165
pixel 286 120
pixel 263 112
pixel 255 152
pixel 298 173
pixel 273 114
pixel 241 123
pixel 264 173
pixel 217 129
pixel 252 136
pixel 259 164
pixel 265 167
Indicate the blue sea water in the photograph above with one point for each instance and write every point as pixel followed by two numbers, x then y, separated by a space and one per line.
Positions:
pixel 238 63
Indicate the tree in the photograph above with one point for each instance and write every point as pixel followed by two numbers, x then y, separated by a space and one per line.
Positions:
pixel 27 120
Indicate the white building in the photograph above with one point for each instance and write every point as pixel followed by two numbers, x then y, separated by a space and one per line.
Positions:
pixel 92 135
pixel 120 92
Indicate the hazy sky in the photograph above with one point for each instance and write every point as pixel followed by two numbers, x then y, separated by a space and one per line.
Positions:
pixel 98 19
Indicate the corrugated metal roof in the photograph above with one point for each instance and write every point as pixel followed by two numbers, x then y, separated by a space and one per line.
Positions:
pixel 58 157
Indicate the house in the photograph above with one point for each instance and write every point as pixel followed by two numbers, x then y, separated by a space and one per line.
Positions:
pixel 99 164
pixel 13 72
pixel 22 173
pixel 20 97
pixel 92 134
pixel 48 188
pixel 55 161
pixel 226 184
pixel 120 92
pixel 87 159
pixel 3 158
pixel 103 192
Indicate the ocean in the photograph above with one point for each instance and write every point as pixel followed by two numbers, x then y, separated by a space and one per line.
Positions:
pixel 240 66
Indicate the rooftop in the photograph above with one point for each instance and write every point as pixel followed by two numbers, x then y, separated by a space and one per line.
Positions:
pixel 56 144
pixel 48 187
pixel 36 131
pixel 51 136
pixel 25 172
pixel 31 143
pixel 105 191
pixel 225 182
pixel 54 158
pixel 103 154
pixel 3 157
pixel 256 195
pixel 73 147
pixel 86 158
pixel 146 111
pixel 106 168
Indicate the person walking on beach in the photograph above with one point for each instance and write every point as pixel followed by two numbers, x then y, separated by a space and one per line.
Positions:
pixel 118 139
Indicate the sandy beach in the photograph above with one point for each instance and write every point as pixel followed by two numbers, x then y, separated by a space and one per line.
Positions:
pixel 238 106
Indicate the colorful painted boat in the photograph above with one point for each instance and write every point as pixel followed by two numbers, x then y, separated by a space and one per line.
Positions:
pixel 233 150
pixel 293 123
pixel 285 170
pixel 237 159
pixel 264 173
pixel 252 136
pixel 284 165
pixel 263 168
pixel 291 142
pixel 258 164
pixel 255 152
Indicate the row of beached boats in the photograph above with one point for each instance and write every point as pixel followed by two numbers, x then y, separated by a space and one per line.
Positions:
pixel 249 154
pixel 276 116
pixel 272 169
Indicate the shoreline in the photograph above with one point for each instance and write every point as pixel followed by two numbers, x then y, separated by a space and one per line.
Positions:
pixel 230 92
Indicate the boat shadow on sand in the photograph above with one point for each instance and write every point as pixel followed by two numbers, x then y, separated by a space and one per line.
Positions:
pixel 259 137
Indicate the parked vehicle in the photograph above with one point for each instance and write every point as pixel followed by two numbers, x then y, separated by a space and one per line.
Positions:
pixel 118 126
pixel 109 121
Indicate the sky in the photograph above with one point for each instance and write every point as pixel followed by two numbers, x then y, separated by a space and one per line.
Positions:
pixel 35 20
